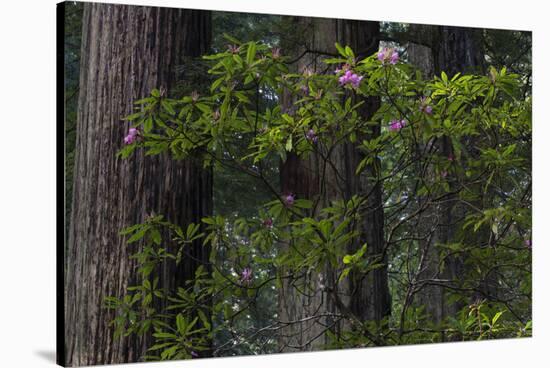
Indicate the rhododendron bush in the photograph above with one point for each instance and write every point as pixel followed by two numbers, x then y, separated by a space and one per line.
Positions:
pixel 487 122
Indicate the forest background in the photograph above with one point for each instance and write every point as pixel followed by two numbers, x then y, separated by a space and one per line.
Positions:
pixel 40 197
pixel 462 220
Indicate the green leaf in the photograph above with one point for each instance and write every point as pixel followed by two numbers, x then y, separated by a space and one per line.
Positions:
pixel 148 124
pixel 168 107
pixel 138 235
pixel 133 116
pixel 147 269
pixel 159 346
pixel 344 274
pixel 130 229
pixel 216 84
pixel 204 319
pixel 496 317
pixel 164 335
pixel 168 353
pixel 155 235
pixel 203 107
pixel 231 39
pixel 288 145
pixel 181 324
pixel 340 49
pixel 251 53
pixel 303 203
pixel 349 52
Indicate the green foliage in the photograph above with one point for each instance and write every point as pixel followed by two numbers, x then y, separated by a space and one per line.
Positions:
pixel 487 121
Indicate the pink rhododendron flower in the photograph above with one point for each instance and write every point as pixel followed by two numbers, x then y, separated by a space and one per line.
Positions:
pixel 424 107
pixel 344 68
pixel 246 275
pixel 350 77
pixel 394 58
pixel 132 136
pixel 288 199
pixel 388 56
pixel 311 136
pixel 396 125
pixel 234 49
pixel 268 223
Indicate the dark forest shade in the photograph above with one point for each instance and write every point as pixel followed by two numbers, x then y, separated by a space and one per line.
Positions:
pixel 126 52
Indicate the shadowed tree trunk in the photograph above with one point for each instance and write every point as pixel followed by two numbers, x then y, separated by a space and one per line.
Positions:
pixel 456 50
pixel 366 297
pixel 126 52
pixel 453 50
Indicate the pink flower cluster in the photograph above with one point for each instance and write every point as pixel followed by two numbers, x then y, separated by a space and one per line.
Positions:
pixel 246 275
pixel 288 199
pixel 268 223
pixel 234 49
pixel 311 136
pixel 133 134
pixel 350 77
pixel 388 56
pixel 396 125
pixel 424 107
pixel 344 68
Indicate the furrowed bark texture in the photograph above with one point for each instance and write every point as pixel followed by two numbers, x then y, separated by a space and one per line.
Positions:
pixel 453 50
pixel 366 297
pixel 459 50
pixel 126 52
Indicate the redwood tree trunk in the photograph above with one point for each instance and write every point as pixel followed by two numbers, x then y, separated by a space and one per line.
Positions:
pixel 126 52
pixel 453 50
pixel 366 297
pixel 458 50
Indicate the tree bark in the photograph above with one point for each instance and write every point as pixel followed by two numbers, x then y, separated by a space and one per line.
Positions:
pixel 365 296
pixel 453 50
pixel 458 50
pixel 126 52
